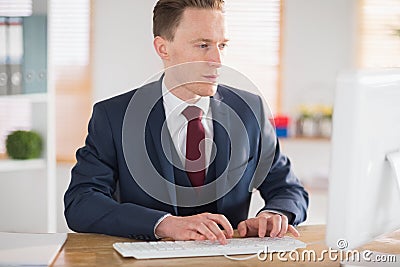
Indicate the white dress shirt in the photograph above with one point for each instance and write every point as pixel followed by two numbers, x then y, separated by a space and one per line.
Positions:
pixel 177 123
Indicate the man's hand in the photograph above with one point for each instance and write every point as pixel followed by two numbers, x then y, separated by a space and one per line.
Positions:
pixel 197 227
pixel 266 223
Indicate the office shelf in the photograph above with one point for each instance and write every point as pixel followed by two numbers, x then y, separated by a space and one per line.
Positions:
pixel 28 192
pixel 10 165
pixel 34 98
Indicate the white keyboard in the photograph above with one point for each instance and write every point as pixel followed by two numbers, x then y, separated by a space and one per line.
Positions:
pixel 176 249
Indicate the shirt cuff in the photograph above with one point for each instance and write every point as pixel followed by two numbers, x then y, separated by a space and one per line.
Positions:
pixel 158 222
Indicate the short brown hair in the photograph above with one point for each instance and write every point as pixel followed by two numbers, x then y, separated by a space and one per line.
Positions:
pixel 168 13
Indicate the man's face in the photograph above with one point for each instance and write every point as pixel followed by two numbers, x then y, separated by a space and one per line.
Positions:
pixel 200 43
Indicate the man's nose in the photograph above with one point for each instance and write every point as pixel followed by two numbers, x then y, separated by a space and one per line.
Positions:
pixel 215 57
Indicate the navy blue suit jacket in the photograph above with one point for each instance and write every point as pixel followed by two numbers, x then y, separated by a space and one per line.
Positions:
pixel 104 198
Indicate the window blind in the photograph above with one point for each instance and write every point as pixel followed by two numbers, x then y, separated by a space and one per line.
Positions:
pixel 70 32
pixel 15 8
pixel 70 41
pixel 380 21
pixel 254 28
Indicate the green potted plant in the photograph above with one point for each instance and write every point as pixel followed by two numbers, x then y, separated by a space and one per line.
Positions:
pixel 24 145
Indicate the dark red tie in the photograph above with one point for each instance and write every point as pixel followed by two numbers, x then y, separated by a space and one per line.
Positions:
pixel 195 146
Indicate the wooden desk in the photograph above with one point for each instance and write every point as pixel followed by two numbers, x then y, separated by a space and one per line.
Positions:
pixel 97 250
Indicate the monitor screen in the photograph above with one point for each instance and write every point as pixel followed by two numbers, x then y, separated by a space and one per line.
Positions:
pixel 364 190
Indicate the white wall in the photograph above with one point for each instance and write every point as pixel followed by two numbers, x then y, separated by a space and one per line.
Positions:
pixel 123 54
pixel 319 40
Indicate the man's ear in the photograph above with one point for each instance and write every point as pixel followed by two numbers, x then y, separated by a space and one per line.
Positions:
pixel 161 47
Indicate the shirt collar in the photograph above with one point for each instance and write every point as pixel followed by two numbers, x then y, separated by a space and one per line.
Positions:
pixel 176 105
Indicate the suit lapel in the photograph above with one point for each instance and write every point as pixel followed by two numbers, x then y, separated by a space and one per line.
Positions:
pixel 162 144
pixel 221 127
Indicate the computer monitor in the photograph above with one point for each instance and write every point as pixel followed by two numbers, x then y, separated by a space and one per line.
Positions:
pixel 364 182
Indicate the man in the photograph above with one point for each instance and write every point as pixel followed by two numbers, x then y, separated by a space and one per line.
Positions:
pixel 189 37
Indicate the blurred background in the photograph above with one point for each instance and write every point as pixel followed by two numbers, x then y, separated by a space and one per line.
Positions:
pixel 59 57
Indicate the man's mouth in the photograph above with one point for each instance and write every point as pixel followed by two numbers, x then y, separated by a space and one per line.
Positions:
pixel 211 78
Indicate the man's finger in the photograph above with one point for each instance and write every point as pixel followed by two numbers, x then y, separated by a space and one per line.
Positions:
pixel 192 235
pixel 223 221
pixel 214 228
pixel 252 226
pixel 262 226
pixel 276 221
pixel 284 226
pixel 203 229
pixel 242 228
pixel 293 230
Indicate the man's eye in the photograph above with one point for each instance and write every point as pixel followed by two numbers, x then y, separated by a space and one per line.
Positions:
pixel 204 46
pixel 222 46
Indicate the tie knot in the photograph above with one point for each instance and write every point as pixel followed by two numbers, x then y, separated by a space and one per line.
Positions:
pixel 192 112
